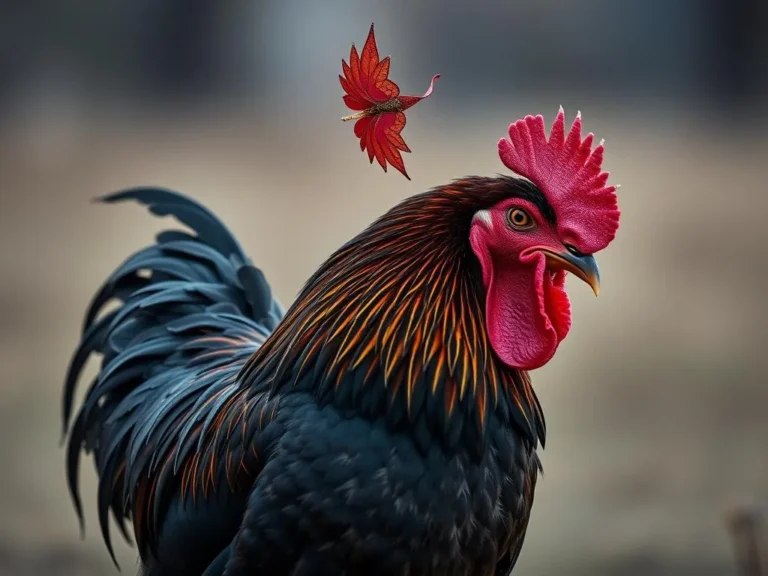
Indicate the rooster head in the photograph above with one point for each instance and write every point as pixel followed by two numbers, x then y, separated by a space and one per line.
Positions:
pixel 527 244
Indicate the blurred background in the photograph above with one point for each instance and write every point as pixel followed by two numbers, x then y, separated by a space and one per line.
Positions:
pixel 656 404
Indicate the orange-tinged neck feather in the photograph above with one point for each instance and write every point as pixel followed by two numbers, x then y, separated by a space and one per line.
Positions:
pixel 393 324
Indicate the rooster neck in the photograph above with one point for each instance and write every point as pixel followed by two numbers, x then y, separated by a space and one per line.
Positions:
pixel 392 325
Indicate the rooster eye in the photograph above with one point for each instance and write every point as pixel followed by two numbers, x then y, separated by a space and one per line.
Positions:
pixel 519 219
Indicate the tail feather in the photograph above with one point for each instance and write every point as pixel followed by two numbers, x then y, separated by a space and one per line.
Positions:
pixel 161 202
pixel 191 310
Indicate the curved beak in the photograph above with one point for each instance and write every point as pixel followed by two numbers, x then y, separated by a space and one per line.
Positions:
pixel 583 266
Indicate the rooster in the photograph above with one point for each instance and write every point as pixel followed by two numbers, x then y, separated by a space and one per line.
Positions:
pixel 385 423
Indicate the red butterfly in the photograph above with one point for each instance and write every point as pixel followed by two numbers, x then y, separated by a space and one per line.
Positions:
pixel 380 108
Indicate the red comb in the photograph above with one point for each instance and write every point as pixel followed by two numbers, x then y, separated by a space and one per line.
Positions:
pixel 568 172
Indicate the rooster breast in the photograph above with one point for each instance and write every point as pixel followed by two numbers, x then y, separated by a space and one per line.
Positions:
pixel 344 495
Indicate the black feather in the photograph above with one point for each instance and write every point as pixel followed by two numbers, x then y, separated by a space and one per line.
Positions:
pixel 191 310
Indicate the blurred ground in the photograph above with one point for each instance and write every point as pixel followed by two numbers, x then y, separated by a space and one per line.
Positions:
pixel 656 403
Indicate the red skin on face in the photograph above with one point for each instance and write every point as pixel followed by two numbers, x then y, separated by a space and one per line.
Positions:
pixel 527 309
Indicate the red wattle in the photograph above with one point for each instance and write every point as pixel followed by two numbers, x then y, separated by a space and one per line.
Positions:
pixel 520 332
pixel 527 309
pixel 557 304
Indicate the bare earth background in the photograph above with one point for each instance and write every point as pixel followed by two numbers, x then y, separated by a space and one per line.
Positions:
pixel 656 403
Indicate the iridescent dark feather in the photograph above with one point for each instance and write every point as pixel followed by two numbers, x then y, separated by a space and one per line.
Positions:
pixel 191 310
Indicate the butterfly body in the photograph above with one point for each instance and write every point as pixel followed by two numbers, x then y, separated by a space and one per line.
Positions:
pixel 391 105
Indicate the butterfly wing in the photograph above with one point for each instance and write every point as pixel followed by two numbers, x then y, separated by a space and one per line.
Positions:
pixel 366 78
pixel 380 137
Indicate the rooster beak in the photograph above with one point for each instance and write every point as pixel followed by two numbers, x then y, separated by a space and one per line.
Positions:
pixel 583 266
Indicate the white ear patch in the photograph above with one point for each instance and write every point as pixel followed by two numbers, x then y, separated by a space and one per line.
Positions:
pixel 485 217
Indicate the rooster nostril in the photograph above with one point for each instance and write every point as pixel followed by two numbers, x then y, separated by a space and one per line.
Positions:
pixel 572 249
